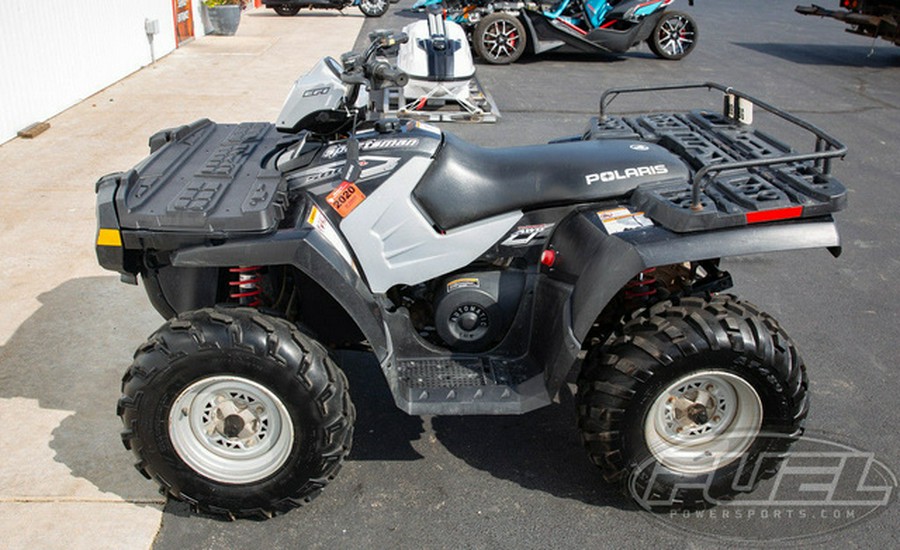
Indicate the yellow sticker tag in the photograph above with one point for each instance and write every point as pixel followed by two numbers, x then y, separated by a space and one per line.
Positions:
pixel 313 214
pixel 465 282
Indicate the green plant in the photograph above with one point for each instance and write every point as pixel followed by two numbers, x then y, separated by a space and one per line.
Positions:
pixel 217 3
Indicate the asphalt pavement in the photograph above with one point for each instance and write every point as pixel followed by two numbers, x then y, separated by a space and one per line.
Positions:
pixel 477 482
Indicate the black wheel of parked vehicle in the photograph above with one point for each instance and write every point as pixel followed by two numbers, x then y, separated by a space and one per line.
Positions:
pixel 674 36
pixel 287 10
pixel 236 412
pixel 695 401
pixel 373 8
pixel 499 39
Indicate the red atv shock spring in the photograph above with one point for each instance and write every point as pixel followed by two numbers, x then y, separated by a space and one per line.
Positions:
pixel 642 287
pixel 246 288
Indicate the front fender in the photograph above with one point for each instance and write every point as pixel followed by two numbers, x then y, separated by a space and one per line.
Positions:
pixel 310 252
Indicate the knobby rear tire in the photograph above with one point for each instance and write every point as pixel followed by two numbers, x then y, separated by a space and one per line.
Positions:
pixel 624 383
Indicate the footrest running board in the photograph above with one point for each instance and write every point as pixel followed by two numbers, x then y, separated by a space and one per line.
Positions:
pixel 466 386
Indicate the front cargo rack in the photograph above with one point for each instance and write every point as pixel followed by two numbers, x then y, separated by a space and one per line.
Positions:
pixel 741 175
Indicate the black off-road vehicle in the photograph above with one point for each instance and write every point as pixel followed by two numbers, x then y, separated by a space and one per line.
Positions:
pixel 478 277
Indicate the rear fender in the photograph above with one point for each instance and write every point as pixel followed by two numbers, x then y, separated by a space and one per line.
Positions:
pixel 595 262
pixel 310 252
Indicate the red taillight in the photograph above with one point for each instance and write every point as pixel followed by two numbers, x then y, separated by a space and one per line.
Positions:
pixel 775 215
pixel 548 257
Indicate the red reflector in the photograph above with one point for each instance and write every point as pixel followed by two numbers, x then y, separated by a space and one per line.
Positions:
pixel 774 215
pixel 548 257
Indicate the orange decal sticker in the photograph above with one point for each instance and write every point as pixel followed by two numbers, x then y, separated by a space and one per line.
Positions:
pixel 345 198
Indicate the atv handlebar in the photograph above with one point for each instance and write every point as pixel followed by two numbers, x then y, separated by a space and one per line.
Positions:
pixel 826 146
pixel 383 71
pixel 366 70
pixel 385 39
pixel 381 74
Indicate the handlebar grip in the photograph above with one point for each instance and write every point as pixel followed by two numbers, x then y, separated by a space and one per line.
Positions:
pixel 390 73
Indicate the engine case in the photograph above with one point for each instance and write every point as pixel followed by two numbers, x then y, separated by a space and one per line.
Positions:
pixel 473 310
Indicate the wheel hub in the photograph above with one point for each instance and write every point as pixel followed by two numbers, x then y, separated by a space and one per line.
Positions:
pixel 233 426
pixel 697 413
pixel 231 429
pixel 693 412
pixel 703 421
pixel 232 418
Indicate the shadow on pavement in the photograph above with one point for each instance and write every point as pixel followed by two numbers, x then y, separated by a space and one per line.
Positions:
pixel 382 431
pixel 408 13
pixel 71 353
pixel 575 58
pixel 540 451
pixel 835 55
pixel 70 356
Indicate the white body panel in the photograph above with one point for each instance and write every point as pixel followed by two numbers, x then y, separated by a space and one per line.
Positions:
pixel 396 244
pixel 319 89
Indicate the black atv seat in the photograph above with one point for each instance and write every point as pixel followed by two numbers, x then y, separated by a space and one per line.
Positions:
pixel 467 183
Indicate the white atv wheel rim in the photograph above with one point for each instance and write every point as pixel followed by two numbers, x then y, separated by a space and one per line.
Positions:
pixel 231 429
pixel 703 421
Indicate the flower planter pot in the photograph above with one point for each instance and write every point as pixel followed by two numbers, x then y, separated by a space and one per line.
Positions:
pixel 224 19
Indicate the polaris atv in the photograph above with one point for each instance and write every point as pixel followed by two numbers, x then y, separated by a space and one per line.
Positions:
pixel 479 278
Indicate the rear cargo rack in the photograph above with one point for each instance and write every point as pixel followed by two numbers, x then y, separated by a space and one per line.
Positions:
pixel 756 177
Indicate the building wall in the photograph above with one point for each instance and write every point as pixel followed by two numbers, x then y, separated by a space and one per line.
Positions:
pixel 55 53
